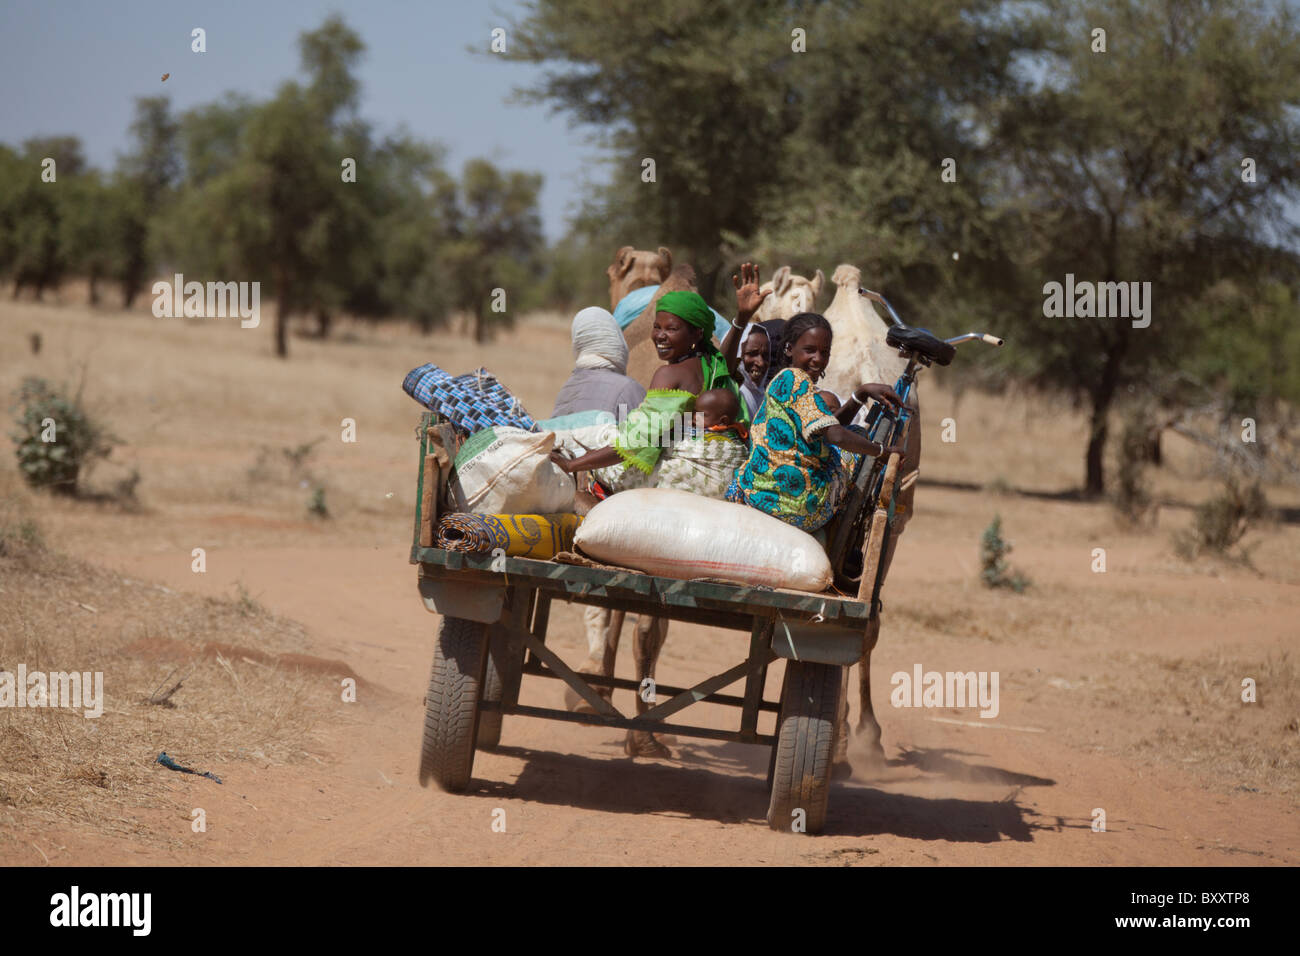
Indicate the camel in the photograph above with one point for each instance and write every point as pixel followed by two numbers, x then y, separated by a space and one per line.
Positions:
pixel 634 269
pixel 860 354
pixel 791 294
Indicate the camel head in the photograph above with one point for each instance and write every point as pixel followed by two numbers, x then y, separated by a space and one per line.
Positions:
pixel 847 275
pixel 634 269
pixel 791 294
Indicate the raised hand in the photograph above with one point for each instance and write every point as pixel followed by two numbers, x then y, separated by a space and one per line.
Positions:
pixel 748 297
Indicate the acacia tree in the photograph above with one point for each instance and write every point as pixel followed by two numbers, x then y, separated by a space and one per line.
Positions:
pixel 265 198
pixel 143 186
pixel 33 212
pixel 493 240
pixel 693 87
pixel 1162 152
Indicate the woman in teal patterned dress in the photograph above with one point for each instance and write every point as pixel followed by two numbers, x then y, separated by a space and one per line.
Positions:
pixel 802 453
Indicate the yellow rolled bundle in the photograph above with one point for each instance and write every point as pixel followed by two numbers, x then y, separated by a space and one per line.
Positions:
pixel 520 536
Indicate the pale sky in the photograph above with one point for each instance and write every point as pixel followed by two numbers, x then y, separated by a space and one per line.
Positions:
pixel 76 66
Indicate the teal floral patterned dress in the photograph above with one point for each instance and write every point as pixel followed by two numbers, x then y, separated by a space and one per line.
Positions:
pixel 792 472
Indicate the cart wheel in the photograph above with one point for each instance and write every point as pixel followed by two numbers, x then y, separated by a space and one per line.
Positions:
pixel 489 722
pixel 451 705
pixel 805 739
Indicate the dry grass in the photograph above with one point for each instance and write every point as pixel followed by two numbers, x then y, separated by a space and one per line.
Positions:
pixel 1202 721
pixel 244 695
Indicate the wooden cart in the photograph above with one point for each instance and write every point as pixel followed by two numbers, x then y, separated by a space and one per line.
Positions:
pixel 495 611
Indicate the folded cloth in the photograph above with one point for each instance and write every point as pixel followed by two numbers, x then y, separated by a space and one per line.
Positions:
pixel 703 463
pixel 520 536
pixel 633 304
pixel 471 402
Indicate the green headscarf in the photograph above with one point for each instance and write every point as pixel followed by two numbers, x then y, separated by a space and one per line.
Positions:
pixel 691 308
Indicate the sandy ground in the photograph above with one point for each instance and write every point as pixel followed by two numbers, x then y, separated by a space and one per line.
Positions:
pixel 1119 691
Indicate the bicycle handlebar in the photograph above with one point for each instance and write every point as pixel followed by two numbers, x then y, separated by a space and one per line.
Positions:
pixel 982 336
pixel 877 297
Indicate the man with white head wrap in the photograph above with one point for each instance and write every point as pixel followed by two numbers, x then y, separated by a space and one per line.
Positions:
pixel 599 381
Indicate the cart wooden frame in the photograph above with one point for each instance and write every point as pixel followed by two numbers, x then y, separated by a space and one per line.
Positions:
pixel 496 610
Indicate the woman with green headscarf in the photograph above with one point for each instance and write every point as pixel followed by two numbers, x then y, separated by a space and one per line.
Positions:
pixel 682 337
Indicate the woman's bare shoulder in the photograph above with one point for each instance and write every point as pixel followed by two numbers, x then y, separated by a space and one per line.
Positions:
pixel 676 376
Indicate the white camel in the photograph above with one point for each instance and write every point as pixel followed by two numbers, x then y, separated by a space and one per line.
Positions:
pixel 791 294
pixel 860 354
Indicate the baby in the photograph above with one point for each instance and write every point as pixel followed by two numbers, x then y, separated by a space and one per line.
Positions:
pixel 717 410
pixel 702 461
pixel 705 461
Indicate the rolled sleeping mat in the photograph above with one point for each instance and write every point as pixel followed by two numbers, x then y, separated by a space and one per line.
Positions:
pixel 520 536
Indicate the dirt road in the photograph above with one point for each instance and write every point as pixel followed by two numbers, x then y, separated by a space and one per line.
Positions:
pixel 952 793
pixel 1119 691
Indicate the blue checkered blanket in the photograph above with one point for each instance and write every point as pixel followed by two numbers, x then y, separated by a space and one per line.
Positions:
pixel 473 401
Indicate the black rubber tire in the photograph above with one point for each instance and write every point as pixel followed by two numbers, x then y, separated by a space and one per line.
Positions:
pixel 805 743
pixel 451 704
pixel 489 721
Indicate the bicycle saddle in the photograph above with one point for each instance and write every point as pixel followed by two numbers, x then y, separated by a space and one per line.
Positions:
pixel 919 340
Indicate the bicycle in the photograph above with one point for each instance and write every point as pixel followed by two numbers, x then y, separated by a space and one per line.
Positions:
pixel 878 481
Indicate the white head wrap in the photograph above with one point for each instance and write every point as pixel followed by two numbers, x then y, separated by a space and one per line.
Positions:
pixel 598 341
pixel 750 330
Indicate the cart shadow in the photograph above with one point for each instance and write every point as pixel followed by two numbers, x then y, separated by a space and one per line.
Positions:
pixel 942 762
pixel 621 785
pixel 860 811
pixel 726 783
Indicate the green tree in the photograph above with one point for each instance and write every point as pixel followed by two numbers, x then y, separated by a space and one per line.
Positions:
pixel 493 240
pixel 144 183
pixel 1127 165
pixel 266 198
pixel 804 132
pixel 90 227
pixel 33 251
pixel 695 87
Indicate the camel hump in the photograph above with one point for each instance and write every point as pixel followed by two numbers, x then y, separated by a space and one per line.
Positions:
pixel 846 274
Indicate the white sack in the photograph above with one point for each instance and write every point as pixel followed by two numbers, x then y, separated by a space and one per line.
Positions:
pixel 505 470
pixel 676 534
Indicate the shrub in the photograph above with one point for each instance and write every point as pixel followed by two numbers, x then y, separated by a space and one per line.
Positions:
pixel 1133 500
pixel 19 538
pixel 78 439
pixel 317 508
pixel 994 571
pixel 1224 520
